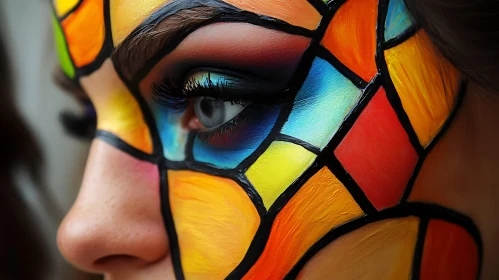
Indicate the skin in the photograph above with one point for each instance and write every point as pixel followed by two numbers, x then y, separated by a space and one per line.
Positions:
pixel 117 227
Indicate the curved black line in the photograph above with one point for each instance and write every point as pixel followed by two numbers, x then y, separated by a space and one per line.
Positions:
pixel 459 99
pixel 106 48
pixel 226 13
pixel 339 171
pixel 229 174
pixel 147 114
pixel 390 90
pixel 320 6
pixel 340 67
pixel 72 10
pixel 290 139
pixel 121 145
pixel 294 85
pixel 418 251
pixel 421 210
pixel 328 158
pixel 169 223
pixel 402 37
pixel 262 235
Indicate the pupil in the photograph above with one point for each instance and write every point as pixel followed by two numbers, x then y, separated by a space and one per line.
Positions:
pixel 206 108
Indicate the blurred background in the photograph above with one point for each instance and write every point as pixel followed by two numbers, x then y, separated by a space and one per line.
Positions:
pixel 25 27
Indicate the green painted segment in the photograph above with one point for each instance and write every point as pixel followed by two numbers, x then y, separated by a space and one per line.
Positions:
pixel 62 49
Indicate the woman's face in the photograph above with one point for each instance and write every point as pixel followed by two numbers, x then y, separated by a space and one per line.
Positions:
pixel 259 139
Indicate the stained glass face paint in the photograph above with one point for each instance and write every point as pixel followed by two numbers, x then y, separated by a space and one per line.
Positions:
pixel 287 134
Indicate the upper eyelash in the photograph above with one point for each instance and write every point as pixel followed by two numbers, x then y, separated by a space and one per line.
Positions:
pixel 174 93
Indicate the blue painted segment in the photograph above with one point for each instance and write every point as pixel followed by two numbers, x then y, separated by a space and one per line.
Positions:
pixel 173 136
pixel 229 147
pixel 322 104
pixel 398 19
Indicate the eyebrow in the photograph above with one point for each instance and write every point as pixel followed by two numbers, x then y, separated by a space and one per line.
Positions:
pixel 164 30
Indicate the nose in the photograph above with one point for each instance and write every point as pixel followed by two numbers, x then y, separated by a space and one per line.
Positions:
pixel 115 222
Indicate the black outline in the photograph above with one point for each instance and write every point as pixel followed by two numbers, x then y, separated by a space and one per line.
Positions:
pixel 208 169
pixel 402 37
pixel 225 13
pixel 325 54
pixel 448 122
pixel 106 48
pixel 169 222
pixel 418 250
pixel 72 10
pixel 290 139
pixel 123 146
pixel 320 6
pixel 262 235
pixel 294 85
pixel 420 210
pixel 328 158
pixel 388 85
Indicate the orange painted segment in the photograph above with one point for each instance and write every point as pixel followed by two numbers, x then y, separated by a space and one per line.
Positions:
pixel 449 253
pixel 426 83
pixel 382 250
pixel 215 222
pixel 85 32
pixel 295 12
pixel 321 204
pixel 117 109
pixel 351 36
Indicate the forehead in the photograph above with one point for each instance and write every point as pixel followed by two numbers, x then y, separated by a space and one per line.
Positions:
pixel 88 30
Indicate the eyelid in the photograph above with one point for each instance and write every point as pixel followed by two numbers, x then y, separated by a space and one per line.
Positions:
pixel 238 86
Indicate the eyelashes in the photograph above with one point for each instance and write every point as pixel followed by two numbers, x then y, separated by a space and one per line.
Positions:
pixel 174 92
pixel 178 96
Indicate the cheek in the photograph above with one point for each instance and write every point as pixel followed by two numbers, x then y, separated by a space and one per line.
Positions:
pixel 211 214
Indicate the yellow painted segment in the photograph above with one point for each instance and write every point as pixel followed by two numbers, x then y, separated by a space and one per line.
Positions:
pixel 382 250
pixel 127 15
pixel 62 7
pixel 215 222
pixel 320 205
pixel 117 109
pixel 426 83
pixel 277 168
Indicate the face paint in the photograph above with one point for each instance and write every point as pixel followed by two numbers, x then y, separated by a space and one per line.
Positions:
pixel 288 135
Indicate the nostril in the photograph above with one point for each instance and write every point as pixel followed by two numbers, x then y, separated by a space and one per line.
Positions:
pixel 117 261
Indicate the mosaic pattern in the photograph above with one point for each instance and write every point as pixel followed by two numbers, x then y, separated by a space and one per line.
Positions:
pixel 283 194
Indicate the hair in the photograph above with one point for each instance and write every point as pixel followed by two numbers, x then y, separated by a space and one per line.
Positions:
pixel 22 254
pixel 466 32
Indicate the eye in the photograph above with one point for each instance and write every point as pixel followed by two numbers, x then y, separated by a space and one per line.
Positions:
pixel 212 113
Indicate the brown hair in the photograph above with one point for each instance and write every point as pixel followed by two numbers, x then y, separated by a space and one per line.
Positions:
pixel 21 252
pixel 466 32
